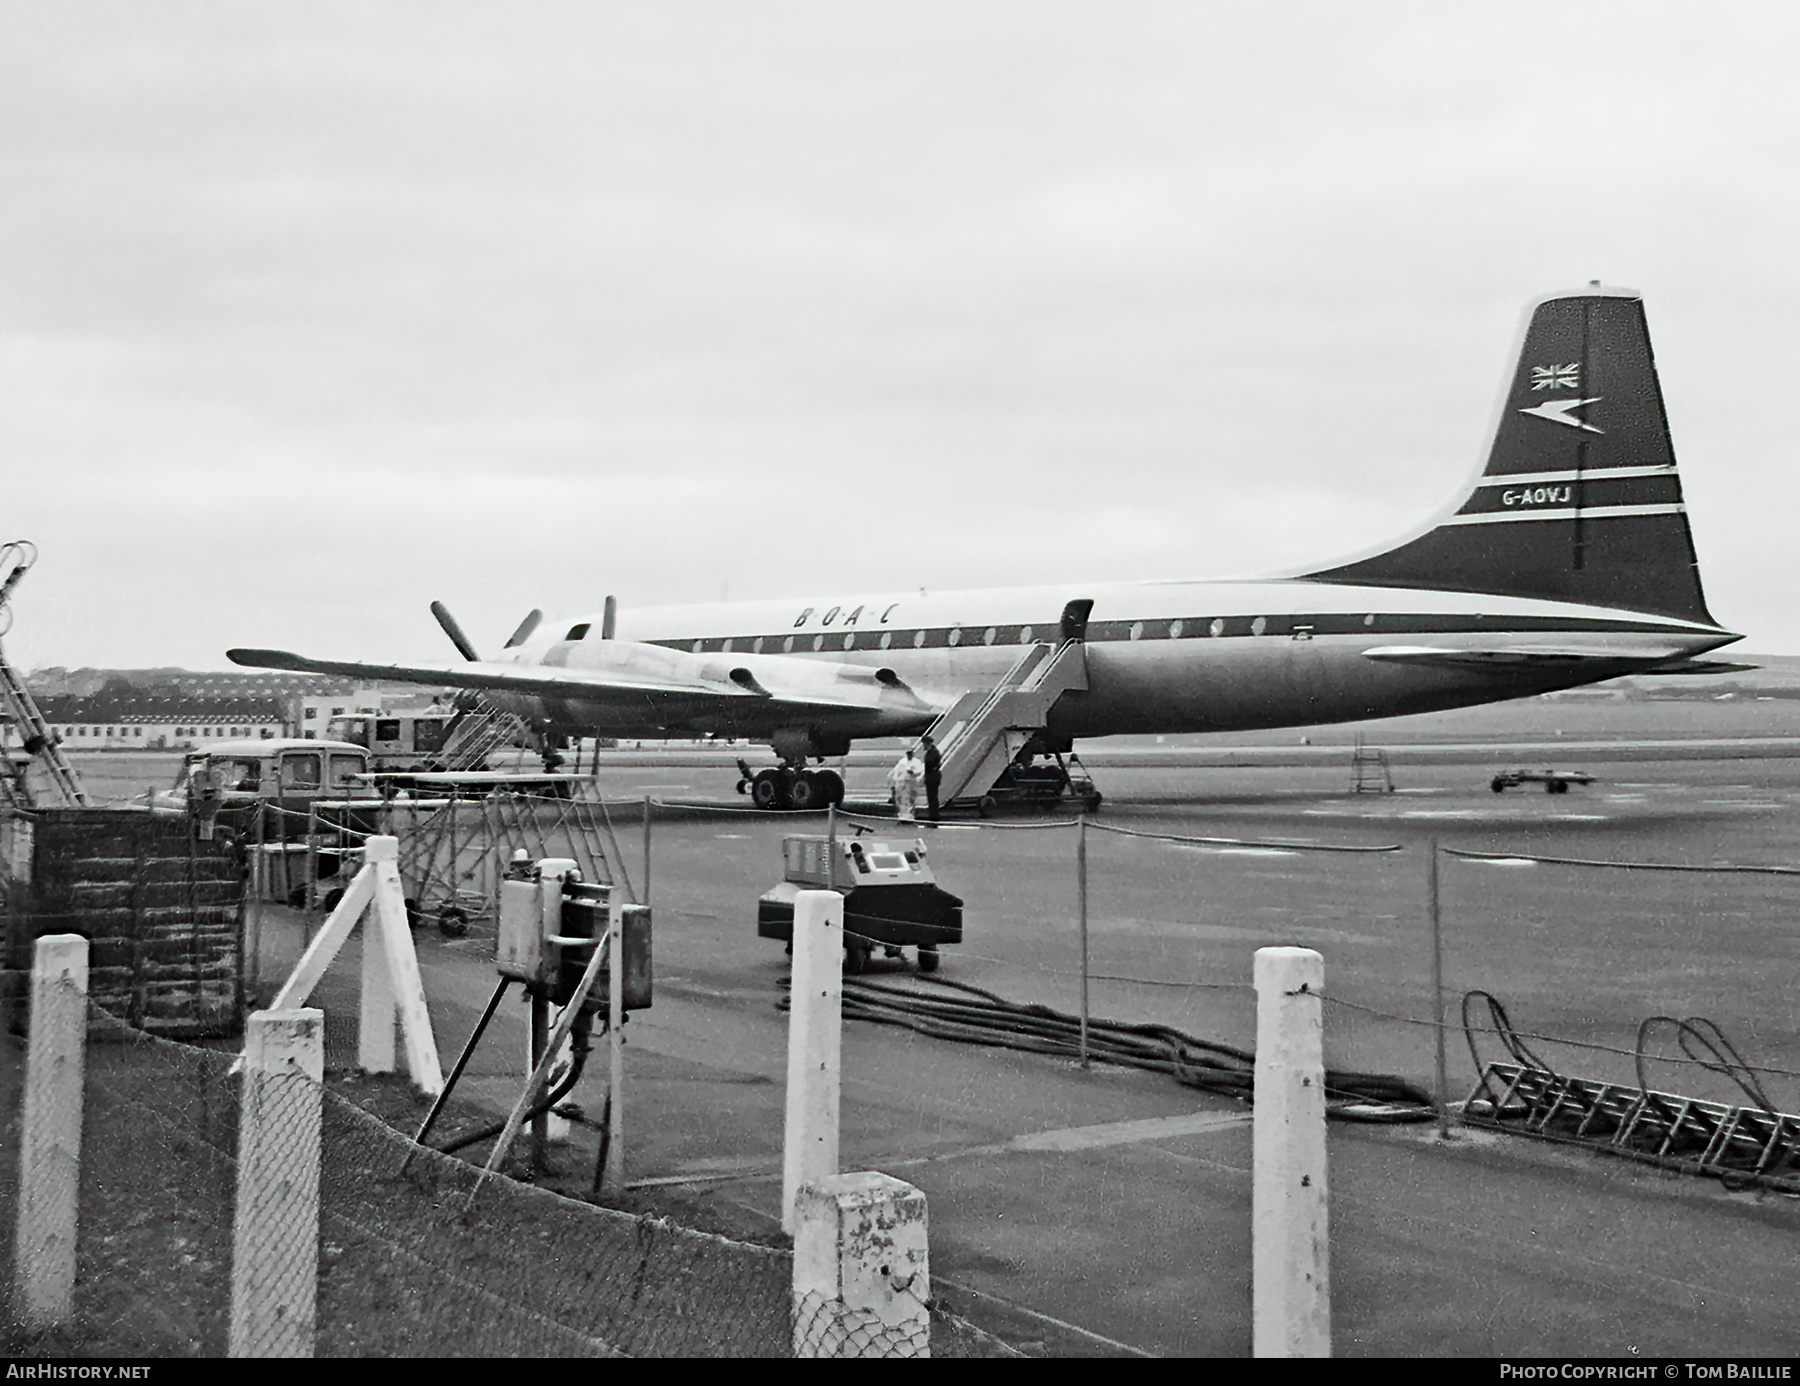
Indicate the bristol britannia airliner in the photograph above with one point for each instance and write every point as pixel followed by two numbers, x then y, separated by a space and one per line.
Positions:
pixel 1566 560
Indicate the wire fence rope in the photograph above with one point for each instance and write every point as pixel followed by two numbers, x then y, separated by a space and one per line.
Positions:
pixel 402 1271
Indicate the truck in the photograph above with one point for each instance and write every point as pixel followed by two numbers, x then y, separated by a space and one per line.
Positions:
pixel 1554 781
pixel 398 740
pixel 300 805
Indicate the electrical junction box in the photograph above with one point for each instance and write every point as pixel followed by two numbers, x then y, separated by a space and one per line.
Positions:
pixel 548 914
pixel 530 916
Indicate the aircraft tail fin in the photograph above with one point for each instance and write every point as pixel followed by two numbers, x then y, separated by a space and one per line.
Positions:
pixel 1580 501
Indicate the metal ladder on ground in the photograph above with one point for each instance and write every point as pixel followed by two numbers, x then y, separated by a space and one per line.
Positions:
pixel 36 772
pixel 982 733
pixel 1369 773
pixel 1735 1142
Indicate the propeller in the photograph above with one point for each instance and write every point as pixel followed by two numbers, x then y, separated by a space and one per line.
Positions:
pixel 523 633
pixel 455 632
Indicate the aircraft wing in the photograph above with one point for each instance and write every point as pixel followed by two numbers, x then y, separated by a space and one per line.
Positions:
pixel 688 679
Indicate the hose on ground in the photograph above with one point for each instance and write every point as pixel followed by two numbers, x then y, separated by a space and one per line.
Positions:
pixel 982 1017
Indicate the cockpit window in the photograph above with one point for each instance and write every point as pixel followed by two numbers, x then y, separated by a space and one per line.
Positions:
pixel 578 632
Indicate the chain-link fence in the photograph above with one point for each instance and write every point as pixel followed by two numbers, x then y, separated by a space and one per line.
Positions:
pixel 401 1269
pixel 826 1328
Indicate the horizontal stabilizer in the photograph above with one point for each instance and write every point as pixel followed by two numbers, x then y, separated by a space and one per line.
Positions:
pixel 1701 666
pixel 1534 656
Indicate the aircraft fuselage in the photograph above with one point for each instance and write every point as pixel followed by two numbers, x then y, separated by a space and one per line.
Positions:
pixel 1162 657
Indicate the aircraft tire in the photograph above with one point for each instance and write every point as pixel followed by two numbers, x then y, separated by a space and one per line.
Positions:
pixel 928 959
pixel 834 786
pixel 806 792
pixel 765 790
pixel 1498 786
pixel 856 958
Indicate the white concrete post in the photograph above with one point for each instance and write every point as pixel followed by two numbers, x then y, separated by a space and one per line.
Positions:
pixel 1290 1259
pixel 381 856
pixel 375 1047
pixel 862 1269
pixel 50 1141
pixel 275 1240
pixel 815 1022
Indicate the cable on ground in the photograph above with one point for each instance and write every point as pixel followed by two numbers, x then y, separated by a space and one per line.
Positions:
pixel 975 1016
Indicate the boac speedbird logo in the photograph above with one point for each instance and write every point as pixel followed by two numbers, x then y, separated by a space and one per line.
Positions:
pixel 1557 411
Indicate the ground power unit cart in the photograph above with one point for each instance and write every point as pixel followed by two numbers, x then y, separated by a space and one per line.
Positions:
pixel 891 899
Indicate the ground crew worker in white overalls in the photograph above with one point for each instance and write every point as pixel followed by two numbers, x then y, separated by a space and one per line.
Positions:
pixel 904 779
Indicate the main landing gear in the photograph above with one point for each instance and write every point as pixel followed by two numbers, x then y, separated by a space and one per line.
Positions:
pixel 791 787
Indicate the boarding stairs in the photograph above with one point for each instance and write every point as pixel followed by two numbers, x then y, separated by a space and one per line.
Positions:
pixel 478 731
pixel 1369 773
pixel 988 732
pixel 452 849
pixel 36 772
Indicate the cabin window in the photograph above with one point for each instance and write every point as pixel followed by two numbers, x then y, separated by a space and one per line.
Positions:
pixel 1174 630
pixel 955 636
pixel 1024 635
pixel 756 645
pixel 1217 627
pixel 787 644
pixel 818 642
pixel 1259 625
pixel 850 640
pixel 242 775
pixel 918 639
pixel 1137 630
pixel 578 632
pixel 1369 620
pixel 300 772
pixel 887 638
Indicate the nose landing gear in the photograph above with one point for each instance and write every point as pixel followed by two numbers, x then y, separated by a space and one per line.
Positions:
pixel 791 787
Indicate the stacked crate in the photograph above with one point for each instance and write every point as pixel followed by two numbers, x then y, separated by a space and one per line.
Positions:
pixel 161 907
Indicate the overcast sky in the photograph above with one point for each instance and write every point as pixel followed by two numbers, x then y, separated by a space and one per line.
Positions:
pixel 312 313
